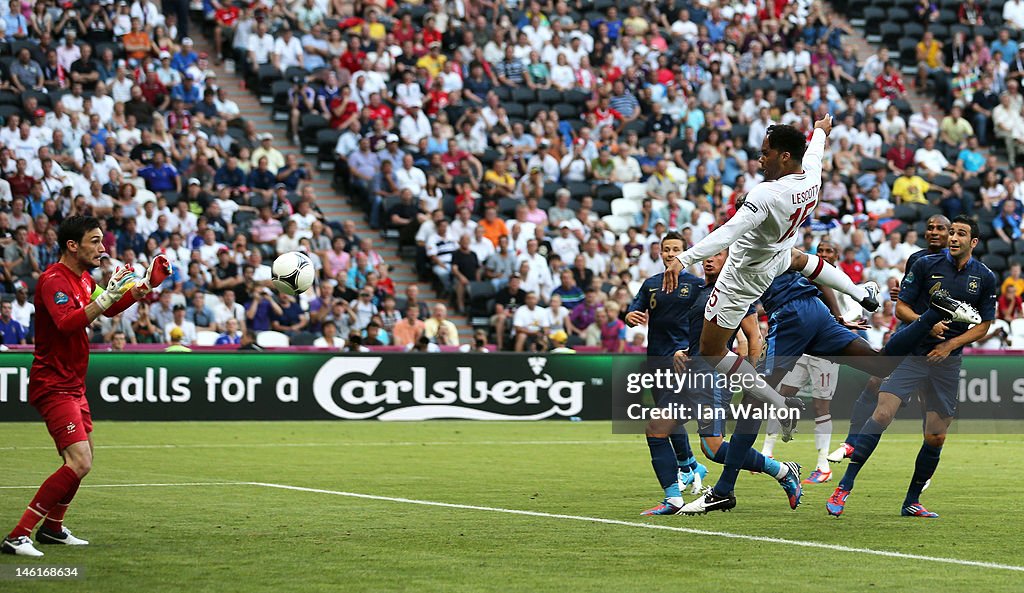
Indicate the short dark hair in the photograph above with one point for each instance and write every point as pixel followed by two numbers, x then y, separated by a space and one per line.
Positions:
pixel 74 228
pixel 673 236
pixel 970 222
pixel 786 138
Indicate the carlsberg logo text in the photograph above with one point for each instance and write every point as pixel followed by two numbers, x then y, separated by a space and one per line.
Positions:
pixel 344 385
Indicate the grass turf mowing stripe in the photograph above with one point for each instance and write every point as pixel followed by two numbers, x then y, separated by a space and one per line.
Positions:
pixel 36 487
pixel 632 442
pixel 757 538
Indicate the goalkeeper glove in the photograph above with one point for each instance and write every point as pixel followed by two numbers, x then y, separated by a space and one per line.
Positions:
pixel 121 282
pixel 158 271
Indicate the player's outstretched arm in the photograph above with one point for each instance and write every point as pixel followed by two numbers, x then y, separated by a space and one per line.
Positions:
pixel 752 213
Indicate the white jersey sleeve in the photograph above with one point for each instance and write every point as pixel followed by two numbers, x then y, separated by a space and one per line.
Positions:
pixel 749 216
pixel 814 154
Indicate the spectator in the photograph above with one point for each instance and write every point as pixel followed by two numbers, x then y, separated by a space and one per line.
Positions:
pixel 186 328
pixel 11 331
pixel 909 188
pixel 1010 306
pixel 439 329
pixel 1007 224
pixel 232 334
pixel 530 322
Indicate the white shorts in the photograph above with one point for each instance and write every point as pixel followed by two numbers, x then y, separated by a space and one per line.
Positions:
pixel 821 375
pixel 737 288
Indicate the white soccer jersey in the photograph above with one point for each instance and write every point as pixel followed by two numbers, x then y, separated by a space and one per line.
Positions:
pixel 768 222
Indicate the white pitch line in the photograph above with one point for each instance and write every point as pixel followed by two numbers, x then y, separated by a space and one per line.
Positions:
pixel 756 538
pixel 632 442
pixel 36 487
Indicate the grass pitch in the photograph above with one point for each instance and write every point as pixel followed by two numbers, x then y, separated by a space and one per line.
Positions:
pixel 246 537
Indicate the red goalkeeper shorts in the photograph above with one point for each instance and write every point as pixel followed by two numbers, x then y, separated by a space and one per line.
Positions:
pixel 67 418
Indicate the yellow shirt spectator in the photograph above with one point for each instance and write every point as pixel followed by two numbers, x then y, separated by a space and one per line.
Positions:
pixel 911 190
pixel 433 62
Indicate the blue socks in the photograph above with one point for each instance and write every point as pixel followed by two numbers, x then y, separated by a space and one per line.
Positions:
pixel 753 462
pixel 927 461
pixel 740 444
pixel 684 454
pixel 663 459
pixel 870 434
pixel 910 336
pixel 863 408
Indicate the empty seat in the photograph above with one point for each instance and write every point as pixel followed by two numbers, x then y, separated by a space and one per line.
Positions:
pixel 272 339
pixel 997 246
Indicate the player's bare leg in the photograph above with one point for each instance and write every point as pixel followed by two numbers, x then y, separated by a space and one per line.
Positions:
pixel 820 271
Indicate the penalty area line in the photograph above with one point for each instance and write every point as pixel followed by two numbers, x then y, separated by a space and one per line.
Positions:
pixel 704 532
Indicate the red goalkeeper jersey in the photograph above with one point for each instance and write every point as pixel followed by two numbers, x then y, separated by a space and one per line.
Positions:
pixel 62 344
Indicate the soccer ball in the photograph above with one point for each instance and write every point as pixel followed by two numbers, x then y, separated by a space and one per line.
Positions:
pixel 292 273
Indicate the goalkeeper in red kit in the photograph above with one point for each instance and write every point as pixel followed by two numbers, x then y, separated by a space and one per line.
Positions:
pixel 67 300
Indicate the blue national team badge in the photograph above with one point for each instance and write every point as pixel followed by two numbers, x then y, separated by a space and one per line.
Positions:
pixel 684 291
pixel 973 284
pixel 60 298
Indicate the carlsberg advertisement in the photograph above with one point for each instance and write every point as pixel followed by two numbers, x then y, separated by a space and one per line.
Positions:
pixel 395 386
pixel 270 386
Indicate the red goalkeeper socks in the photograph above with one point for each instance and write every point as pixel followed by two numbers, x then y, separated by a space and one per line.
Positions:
pixel 62 484
pixel 55 518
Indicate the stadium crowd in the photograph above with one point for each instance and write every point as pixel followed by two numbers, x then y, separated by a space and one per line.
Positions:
pixel 530 154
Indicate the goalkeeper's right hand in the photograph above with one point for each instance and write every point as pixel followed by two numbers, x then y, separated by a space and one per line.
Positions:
pixel 121 282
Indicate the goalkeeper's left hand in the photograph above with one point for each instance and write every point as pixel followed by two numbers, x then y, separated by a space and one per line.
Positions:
pixel 121 282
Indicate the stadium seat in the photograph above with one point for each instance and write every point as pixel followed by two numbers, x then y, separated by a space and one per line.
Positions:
pixel 905 213
pixel 515 110
pixel 617 224
pixel 578 98
pixel 523 95
pixel 1015 259
pixel 996 263
pixel 634 191
pixel 480 294
pixel 1018 246
pixel 326 141
pixel 206 338
pixel 1017 331
pixel 309 126
pixel 601 207
pixel 272 339
pixel 997 246
pixel 533 109
pixel 567 111
pixel 303 339
pixel 578 189
pixel 607 192
pixel 549 96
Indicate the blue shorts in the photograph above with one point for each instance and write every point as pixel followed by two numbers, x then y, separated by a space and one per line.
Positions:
pixel 938 385
pixel 803 326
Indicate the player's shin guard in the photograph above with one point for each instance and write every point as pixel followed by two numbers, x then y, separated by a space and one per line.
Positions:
pixel 870 434
pixel 924 468
pixel 910 336
pixel 732 364
pixel 663 459
pixel 49 494
pixel 822 436
pixel 819 271
pixel 55 518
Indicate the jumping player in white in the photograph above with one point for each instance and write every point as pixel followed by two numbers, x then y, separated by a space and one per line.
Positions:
pixel 761 238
